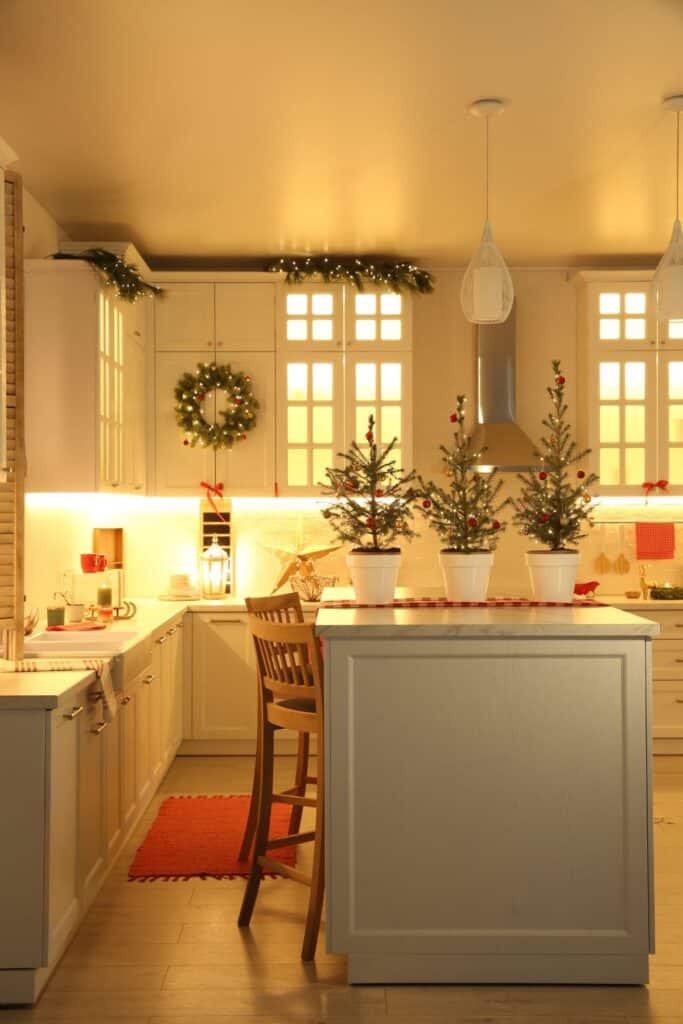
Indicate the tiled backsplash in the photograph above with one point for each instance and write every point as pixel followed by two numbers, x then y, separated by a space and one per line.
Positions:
pixel 162 537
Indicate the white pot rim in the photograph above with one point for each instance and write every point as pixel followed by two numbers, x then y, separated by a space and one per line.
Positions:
pixel 467 557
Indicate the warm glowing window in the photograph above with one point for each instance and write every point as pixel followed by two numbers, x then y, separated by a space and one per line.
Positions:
pixel 377 317
pixel 622 316
pixel 622 422
pixel 310 393
pixel 312 317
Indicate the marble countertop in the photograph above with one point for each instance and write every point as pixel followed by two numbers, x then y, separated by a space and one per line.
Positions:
pixel 473 622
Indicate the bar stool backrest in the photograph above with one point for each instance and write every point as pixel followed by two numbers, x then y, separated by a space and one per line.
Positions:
pixel 276 608
pixel 289 659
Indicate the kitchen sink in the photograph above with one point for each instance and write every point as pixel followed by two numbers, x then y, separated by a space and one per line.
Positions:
pixel 54 644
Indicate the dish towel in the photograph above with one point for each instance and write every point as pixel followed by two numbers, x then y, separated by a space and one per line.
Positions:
pixel 100 666
pixel 655 541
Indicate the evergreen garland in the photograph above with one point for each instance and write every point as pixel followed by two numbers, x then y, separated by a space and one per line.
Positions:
pixel 375 497
pixel 465 515
pixel 356 271
pixel 553 505
pixel 237 419
pixel 118 274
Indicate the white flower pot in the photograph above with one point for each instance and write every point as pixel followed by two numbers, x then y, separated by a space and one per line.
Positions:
pixel 374 575
pixel 553 574
pixel 466 575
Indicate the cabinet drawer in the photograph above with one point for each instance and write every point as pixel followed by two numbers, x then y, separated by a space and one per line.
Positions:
pixel 670 621
pixel 667 713
pixel 667 659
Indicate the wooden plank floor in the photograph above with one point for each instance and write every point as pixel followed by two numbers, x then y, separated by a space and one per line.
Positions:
pixel 170 952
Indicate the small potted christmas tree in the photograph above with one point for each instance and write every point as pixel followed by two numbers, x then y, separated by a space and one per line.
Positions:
pixel 553 503
pixel 465 515
pixel 373 509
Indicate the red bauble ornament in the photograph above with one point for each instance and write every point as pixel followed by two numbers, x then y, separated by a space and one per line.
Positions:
pixel 560 380
pixel 186 442
pixel 369 437
pixel 370 523
pixel 243 437
pixel 542 476
pixel 544 517
pixel 495 524
pixel 379 493
pixel 453 417
pixel 472 521
pixel 348 484
pixel 426 503
pixel 237 401
pixel 581 474
pixel 201 396
pixel 326 513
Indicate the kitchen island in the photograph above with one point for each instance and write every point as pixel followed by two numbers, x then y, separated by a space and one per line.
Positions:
pixel 488 794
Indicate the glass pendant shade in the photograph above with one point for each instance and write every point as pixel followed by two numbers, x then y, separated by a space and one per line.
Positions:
pixel 667 284
pixel 487 293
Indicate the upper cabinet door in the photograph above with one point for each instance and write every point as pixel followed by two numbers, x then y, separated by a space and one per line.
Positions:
pixel 378 321
pixel 310 318
pixel 180 468
pixel 245 317
pixel 184 318
pixel 248 468
pixel 620 316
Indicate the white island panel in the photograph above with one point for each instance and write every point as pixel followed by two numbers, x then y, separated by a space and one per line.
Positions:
pixel 488 802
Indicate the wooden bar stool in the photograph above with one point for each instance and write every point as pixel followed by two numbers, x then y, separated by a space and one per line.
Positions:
pixel 290 697
pixel 281 608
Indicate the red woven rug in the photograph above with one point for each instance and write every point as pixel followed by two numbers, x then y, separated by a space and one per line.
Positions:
pixel 200 837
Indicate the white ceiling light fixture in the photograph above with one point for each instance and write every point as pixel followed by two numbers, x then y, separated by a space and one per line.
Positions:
pixel 667 284
pixel 487 293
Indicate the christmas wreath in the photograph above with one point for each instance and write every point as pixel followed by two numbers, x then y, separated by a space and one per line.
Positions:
pixel 234 422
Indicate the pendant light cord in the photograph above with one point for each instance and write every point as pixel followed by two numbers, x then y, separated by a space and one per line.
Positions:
pixel 678 157
pixel 487 168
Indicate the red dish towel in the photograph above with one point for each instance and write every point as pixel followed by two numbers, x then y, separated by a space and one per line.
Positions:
pixel 655 540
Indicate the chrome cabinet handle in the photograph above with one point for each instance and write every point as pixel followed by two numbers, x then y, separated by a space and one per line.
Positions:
pixel 172 631
pixel 74 713
pixel 148 680
pixel 227 622
pixel 162 639
pixel 115 483
pixel 99 728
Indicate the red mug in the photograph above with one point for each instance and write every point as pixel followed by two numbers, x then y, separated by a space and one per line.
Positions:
pixel 93 563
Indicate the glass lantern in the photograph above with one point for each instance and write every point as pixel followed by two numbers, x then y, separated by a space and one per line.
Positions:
pixel 214 570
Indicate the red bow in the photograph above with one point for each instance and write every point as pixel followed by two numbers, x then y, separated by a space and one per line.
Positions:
pixel 660 485
pixel 212 489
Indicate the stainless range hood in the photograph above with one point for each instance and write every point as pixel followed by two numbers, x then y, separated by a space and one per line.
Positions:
pixel 508 447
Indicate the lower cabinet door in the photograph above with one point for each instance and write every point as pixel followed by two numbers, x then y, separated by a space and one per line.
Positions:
pixel 223 678
pixel 152 682
pixel 667 711
pixel 111 744
pixel 63 835
pixel 143 757
pixel 91 845
pixel 129 796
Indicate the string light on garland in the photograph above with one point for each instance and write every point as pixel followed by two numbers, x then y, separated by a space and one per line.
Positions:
pixel 117 274
pixel 356 271
pixel 235 421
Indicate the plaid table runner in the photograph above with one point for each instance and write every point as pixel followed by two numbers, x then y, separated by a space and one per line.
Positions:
pixel 443 602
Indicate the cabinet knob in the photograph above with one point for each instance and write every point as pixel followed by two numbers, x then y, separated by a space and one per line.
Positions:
pixel 115 483
pixel 209 344
pixel 148 680
pixel 162 639
pixel 125 701
pixel 74 713
pixel 172 631
pixel 219 344
pixel 137 334
pixel 99 728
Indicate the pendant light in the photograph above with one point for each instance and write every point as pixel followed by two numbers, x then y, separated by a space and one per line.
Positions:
pixel 667 284
pixel 487 293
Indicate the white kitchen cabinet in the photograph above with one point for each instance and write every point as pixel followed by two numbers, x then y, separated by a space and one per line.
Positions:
pixel 245 317
pixel 633 384
pixel 169 658
pixel 129 793
pixel 223 678
pixel 63 906
pixel 184 317
pixel 91 801
pixel 113 806
pixel 84 357
pixel 248 468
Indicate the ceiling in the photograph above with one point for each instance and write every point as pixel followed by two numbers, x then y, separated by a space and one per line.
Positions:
pixel 216 130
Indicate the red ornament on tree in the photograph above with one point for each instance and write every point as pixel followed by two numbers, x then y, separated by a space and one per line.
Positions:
pixel 581 474
pixel 472 522
pixel 186 442
pixel 369 437
pixel 453 417
pixel 370 523
pixel 426 503
pixel 544 517
pixel 379 493
pixel 560 380
pixel 542 476
pixel 201 396
pixel 495 524
pixel 243 437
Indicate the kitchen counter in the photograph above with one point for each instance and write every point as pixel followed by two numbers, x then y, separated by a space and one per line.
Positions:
pixel 487 782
